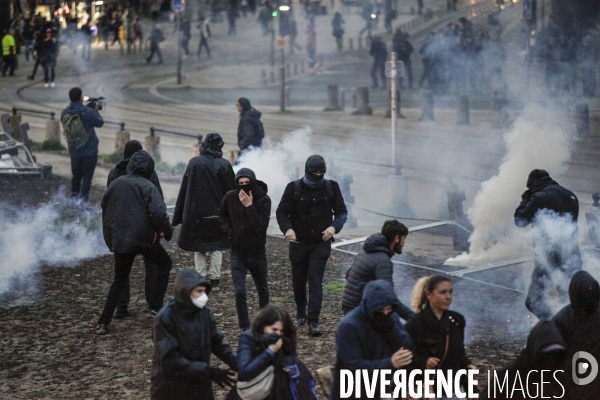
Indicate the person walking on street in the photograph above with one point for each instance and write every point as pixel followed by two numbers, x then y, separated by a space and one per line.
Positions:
pixel 311 45
pixel 185 334
pixel 379 53
pixel 338 29
pixel 250 128
pixel 371 337
pixel 232 15
pixel 138 33
pixel 47 53
pixel 186 34
pixel 310 212
pixel 374 263
pixel 207 179
pixel 9 53
pixel 37 50
pixel 244 215
pixel 156 37
pixel 552 212
pixel 134 216
pixel 86 51
pixel 78 124
pixel 204 27
pixel 403 49
pixel 151 268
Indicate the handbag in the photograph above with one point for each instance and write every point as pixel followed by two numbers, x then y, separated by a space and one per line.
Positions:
pixel 258 388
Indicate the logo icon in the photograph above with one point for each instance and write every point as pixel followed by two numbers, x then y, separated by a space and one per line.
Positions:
pixel 581 368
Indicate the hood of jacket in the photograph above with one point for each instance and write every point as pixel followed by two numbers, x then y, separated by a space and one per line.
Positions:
pixel 378 294
pixel 539 179
pixel 584 292
pixel 377 243
pixel 252 113
pixel 141 163
pixel 213 145
pixel 122 165
pixel 258 188
pixel 186 280
pixel 75 108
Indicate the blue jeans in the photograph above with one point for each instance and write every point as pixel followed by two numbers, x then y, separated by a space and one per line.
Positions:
pixel 241 264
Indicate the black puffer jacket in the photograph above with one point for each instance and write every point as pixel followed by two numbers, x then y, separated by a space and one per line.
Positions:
pixel 133 211
pixel 430 336
pixel 184 338
pixel 249 129
pixel 580 330
pixel 372 263
pixel 121 169
pixel 207 179
pixel 246 227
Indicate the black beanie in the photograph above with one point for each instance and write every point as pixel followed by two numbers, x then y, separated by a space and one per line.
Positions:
pixel 245 103
pixel 131 147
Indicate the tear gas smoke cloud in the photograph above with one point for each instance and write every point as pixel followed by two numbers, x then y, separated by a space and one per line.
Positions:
pixel 54 233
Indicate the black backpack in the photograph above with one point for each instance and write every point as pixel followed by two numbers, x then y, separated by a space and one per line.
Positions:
pixel 293 380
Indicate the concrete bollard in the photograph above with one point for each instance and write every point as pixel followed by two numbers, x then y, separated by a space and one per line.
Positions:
pixel 286 96
pixel 332 97
pixel 24 132
pixel 152 146
pixel 460 237
pixel 121 138
pixel 427 106
pixel 295 69
pixel 360 42
pixel 232 155
pixel 582 119
pixel 350 44
pixel 52 131
pixel 462 110
pixel 263 75
pixel 362 101
pixel 15 124
pixel 272 76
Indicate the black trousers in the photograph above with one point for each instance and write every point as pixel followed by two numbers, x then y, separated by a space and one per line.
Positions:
pixel 10 63
pixel 49 71
pixel 154 48
pixel 308 265
pixel 241 264
pixel 123 263
pixel 378 68
pixel 82 169
pixel 150 276
pixel 203 43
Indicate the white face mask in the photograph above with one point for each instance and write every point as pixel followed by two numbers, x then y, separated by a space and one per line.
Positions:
pixel 200 301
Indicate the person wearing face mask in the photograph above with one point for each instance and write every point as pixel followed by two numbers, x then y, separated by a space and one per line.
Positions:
pixel 579 324
pixel 375 262
pixel 310 212
pixel 438 332
pixel 185 334
pixel 244 215
pixel 371 337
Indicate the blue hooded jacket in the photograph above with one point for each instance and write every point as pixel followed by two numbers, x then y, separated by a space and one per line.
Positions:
pixel 90 119
pixel 359 345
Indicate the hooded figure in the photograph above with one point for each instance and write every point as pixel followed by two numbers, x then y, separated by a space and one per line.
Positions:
pixel 579 324
pixel 207 179
pixel 310 212
pixel 121 168
pixel 244 214
pixel 366 338
pixel 552 211
pixel 545 350
pixel 184 338
pixel 250 128
pixel 133 217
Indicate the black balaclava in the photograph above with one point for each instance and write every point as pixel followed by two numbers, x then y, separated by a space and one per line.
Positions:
pixel 131 147
pixel 245 103
pixel 246 173
pixel 314 163
pixel 212 144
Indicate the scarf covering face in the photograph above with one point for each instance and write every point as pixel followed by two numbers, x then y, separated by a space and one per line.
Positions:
pixel 212 144
pixel 314 163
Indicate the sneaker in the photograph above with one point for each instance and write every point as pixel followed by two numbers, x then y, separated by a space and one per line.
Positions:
pixel 121 313
pixel 53 84
pixel 301 321
pixel 313 330
pixel 214 283
pixel 151 314
pixel 101 329
pixel 46 84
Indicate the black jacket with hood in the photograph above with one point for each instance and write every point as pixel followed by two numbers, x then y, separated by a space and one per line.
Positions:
pixel 581 330
pixel 359 345
pixel 121 169
pixel 372 263
pixel 184 338
pixel 133 210
pixel 246 227
pixel 249 129
pixel 207 179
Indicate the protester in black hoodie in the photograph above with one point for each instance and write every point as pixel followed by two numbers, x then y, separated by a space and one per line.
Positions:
pixel 185 335
pixel 579 325
pixel 134 216
pixel 375 262
pixel 250 129
pixel 151 268
pixel 244 215
pixel 552 211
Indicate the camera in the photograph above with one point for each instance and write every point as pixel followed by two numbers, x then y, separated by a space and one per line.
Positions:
pixel 92 101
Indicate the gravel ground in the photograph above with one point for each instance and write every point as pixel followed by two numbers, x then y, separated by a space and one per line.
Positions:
pixel 48 349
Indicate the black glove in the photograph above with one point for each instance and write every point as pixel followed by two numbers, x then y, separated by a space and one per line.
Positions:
pixel 222 377
pixel 169 235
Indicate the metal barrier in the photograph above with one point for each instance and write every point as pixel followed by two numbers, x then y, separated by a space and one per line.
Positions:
pixel 121 124
pixel 16 110
pixel 153 130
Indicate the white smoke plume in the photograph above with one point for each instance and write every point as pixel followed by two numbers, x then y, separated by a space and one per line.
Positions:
pixel 536 141
pixel 52 234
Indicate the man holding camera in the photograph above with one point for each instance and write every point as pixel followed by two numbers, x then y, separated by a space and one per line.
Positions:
pixel 78 123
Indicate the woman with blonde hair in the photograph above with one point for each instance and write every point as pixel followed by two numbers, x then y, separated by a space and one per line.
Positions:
pixel 437 331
